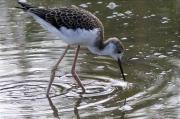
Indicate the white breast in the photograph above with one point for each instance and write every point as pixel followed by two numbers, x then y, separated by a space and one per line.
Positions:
pixel 79 36
pixel 70 36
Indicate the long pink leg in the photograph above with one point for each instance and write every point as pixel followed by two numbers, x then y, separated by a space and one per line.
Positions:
pixel 74 74
pixel 53 71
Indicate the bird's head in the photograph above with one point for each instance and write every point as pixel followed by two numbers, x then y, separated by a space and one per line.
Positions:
pixel 115 49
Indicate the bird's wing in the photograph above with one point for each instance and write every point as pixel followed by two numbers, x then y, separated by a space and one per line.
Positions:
pixel 71 17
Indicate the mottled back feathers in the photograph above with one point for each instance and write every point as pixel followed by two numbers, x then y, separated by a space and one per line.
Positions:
pixel 69 17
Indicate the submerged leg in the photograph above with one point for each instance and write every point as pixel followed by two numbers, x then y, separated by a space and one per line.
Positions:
pixel 53 71
pixel 74 74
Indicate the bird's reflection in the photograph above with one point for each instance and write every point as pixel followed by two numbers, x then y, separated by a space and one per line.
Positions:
pixel 77 104
pixel 76 111
pixel 123 112
pixel 53 107
pixel 55 110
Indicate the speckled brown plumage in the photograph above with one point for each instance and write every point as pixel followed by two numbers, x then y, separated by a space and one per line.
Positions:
pixel 69 17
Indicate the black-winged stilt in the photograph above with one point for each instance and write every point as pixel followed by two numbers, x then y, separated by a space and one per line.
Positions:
pixel 76 26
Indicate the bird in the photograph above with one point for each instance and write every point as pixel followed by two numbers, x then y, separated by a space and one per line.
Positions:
pixel 79 27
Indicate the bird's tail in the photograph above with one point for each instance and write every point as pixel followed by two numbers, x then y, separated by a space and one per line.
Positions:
pixel 25 6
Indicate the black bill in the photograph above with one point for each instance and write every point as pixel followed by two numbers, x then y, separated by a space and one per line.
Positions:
pixel 121 69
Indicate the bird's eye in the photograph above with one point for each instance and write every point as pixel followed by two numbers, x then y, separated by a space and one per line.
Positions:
pixel 119 52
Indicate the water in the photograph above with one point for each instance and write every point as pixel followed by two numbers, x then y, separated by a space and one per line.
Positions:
pixel 150 31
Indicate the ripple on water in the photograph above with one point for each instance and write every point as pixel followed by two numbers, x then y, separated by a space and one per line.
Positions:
pixel 31 93
pixel 22 90
pixel 96 87
pixel 64 87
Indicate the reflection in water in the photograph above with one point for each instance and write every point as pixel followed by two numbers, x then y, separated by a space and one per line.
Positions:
pixel 55 110
pixel 53 107
pixel 77 107
pixel 77 104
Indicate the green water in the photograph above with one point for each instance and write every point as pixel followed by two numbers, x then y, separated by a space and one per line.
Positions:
pixel 150 32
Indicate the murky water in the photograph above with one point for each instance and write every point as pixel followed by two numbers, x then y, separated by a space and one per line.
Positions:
pixel 150 31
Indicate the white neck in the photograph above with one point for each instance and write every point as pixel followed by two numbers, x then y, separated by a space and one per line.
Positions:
pixel 107 50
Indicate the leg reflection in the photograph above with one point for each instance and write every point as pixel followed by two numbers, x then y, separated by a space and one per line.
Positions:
pixel 77 104
pixel 76 110
pixel 54 109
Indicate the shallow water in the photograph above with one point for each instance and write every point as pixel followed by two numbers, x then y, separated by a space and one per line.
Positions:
pixel 150 32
